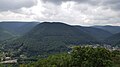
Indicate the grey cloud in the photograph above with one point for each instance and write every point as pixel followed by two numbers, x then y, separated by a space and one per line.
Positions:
pixel 113 4
pixel 116 7
pixel 58 2
pixel 111 1
pixel 6 5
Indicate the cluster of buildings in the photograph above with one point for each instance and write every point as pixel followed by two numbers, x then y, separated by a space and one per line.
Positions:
pixel 6 59
pixel 109 47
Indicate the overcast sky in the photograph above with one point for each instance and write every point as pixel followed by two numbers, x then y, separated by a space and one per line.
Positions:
pixel 82 12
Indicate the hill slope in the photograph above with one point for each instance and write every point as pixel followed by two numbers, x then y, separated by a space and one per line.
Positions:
pixel 5 34
pixel 112 29
pixel 113 39
pixel 48 38
pixel 18 28
pixel 99 34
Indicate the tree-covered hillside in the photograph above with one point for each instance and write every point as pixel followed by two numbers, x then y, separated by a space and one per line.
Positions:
pixel 4 34
pixel 39 40
pixel 99 34
pixel 18 28
pixel 49 38
pixel 112 29
pixel 114 39
pixel 54 37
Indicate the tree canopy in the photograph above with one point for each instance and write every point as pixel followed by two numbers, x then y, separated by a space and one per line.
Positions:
pixel 78 57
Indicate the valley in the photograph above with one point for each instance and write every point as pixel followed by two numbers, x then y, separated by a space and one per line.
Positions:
pixel 26 42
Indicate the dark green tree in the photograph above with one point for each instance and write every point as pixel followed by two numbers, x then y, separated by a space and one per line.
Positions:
pixel 91 57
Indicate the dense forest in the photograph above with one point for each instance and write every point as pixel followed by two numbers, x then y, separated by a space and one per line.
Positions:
pixel 54 37
pixel 56 44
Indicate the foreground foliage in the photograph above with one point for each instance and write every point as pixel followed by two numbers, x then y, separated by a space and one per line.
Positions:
pixel 80 57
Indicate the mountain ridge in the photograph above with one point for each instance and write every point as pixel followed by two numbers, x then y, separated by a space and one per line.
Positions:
pixel 55 37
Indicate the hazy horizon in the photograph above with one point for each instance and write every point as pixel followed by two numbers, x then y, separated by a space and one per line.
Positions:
pixel 54 22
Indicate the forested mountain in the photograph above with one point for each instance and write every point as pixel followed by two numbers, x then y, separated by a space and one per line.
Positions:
pixel 99 34
pixel 5 34
pixel 26 28
pixel 39 40
pixel 112 29
pixel 52 38
pixel 114 39
pixel 117 44
pixel 18 28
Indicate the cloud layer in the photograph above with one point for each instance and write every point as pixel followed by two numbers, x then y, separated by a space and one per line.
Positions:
pixel 82 12
pixel 6 5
